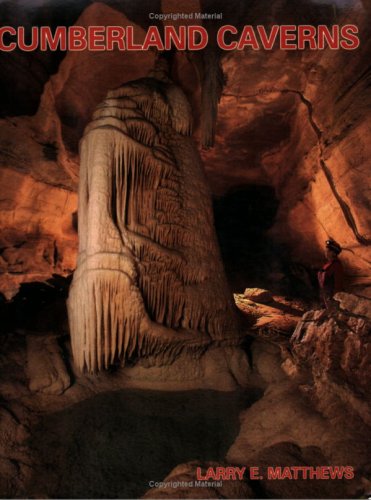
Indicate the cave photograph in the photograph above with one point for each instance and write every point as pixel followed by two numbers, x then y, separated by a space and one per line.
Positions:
pixel 185 229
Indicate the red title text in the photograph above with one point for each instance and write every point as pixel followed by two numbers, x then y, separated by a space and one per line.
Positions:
pixel 228 37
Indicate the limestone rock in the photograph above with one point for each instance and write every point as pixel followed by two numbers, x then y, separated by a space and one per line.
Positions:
pixel 14 456
pixel 218 368
pixel 286 454
pixel 316 160
pixel 335 347
pixel 46 370
pixel 283 429
pixel 12 432
pixel 258 295
pixel 266 362
pixel 38 238
pixel 278 318
pixel 354 304
pixel 281 415
pixel 39 164
pixel 149 278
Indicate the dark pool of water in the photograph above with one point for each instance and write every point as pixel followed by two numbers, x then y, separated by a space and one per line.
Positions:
pixel 113 444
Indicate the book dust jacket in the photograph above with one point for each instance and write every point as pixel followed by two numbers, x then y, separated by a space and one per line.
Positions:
pixel 185 290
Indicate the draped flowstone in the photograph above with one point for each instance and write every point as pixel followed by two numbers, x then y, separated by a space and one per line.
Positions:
pixel 149 279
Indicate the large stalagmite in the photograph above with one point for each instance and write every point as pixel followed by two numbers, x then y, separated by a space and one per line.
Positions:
pixel 149 279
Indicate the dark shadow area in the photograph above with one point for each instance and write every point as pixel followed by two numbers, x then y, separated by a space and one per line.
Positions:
pixel 242 218
pixel 251 258
pixel 113 444
pixel 38 307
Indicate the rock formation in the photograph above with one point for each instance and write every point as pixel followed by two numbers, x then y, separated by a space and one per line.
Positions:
pixel 315 406
pixel 46 370
pixel 149 278
pixel 335 348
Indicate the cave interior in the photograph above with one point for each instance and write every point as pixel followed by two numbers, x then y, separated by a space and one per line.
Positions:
pixel 284 141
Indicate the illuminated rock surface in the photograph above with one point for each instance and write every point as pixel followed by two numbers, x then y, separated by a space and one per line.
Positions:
pixel 149 278
pixel 292 135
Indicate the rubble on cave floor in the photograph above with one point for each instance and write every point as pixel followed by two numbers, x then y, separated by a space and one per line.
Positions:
pixel 275 316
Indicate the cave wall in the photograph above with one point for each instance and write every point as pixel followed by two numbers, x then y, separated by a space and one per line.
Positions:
pixel 299 121
pixel 332 160
pixel 295 121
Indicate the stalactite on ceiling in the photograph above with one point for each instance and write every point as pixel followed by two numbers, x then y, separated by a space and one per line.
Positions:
pixel 211 91
pixel 149 279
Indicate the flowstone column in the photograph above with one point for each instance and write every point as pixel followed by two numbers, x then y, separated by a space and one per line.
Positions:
pixel 149 278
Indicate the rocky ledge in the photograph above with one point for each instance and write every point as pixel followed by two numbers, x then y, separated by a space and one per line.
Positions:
pixel 334 349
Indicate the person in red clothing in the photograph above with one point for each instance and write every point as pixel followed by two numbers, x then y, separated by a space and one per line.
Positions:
pixel 331 276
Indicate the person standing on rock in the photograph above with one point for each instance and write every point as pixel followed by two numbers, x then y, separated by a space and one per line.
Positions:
pixel 331 276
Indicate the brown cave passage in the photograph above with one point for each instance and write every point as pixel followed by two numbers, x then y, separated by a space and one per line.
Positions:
pixel 242 219
pixel 251 256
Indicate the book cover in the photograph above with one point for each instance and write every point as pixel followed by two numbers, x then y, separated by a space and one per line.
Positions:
pixel 184 249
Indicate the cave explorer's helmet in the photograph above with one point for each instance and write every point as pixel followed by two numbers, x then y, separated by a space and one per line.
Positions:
pixel 333 246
